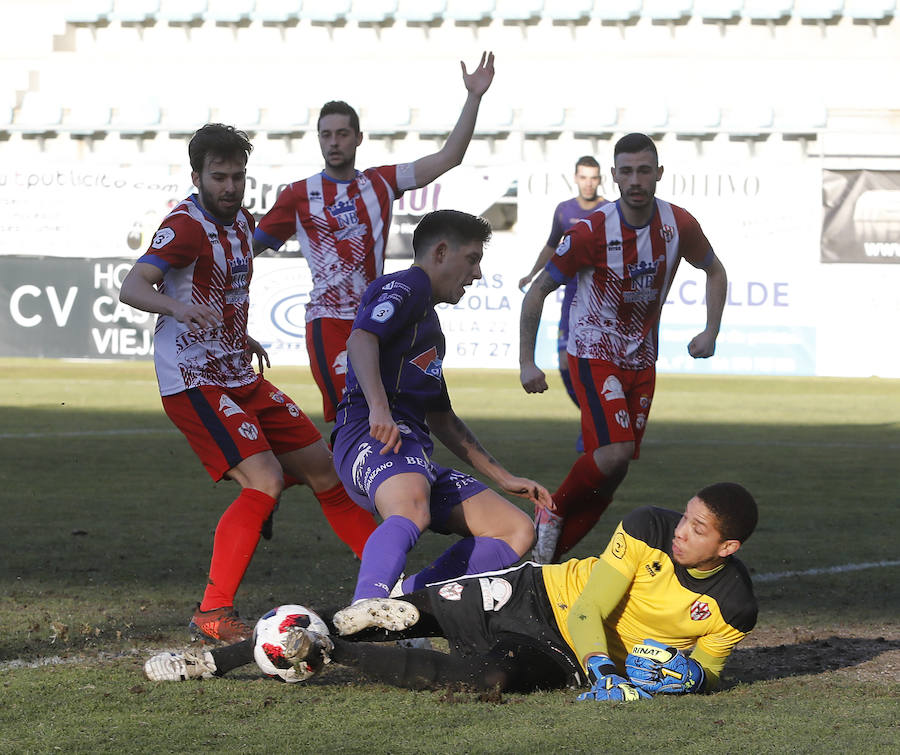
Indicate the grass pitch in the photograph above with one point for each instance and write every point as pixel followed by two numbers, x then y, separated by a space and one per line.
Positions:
pixel 107 530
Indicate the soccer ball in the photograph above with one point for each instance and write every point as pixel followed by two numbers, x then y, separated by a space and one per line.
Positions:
pixel 268 645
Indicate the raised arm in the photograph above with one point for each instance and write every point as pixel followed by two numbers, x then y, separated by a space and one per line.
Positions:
pixel 448 428
pixel 451 154
pixel 703 345
pixel 532 377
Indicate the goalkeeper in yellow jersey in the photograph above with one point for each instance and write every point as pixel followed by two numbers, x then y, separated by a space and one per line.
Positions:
pixel 658 612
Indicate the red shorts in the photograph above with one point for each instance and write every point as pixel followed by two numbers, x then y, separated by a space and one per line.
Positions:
pixel 227 425
pixel 614 402
pixel 326 343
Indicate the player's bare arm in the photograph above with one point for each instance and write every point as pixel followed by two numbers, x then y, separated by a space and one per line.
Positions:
pixel 533 378
pixel 139 291
pixel 448 428
pixel 542 259
pixel 364 352
pixel 428 168
pixel 703 345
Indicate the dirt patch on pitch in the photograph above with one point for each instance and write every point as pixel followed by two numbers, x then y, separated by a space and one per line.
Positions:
pixel 865 654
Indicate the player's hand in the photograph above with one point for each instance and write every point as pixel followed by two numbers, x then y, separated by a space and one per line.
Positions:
pixel 533 491
pixel 525 281
pixel 533 378
pixel 702 345
pixel 383 428
pixel 654 667
pixel 608 685
pixel 197 316
pixel 254 348
pixel 480 79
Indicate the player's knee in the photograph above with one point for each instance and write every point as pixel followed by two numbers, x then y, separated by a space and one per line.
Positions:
pixel 521 535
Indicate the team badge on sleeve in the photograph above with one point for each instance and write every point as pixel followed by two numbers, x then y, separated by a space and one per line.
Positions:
pixel 382 312
pixel 162 237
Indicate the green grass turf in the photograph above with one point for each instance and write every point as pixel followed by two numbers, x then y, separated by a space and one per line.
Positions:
pixel 107 530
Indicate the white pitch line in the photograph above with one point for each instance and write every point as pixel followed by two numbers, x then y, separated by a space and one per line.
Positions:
pixel 775 576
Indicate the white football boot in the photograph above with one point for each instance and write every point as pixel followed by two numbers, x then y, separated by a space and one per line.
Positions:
pixel 178 667
pixel 384 613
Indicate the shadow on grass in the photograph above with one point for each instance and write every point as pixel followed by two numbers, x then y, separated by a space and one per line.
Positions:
pixel 803 658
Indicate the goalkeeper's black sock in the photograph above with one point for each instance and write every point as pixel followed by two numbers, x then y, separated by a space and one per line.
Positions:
pixel 232 656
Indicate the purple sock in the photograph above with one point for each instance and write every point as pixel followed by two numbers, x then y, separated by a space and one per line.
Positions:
pixel 384 557
pixel 471 555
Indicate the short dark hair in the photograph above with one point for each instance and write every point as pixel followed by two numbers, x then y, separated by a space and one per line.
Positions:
pixel 734 508
pixel 587 161
pixel 635 142
pixel 454 226
pixel 339 107
pixel 218 140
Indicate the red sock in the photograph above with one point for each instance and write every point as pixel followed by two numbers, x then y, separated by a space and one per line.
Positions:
pixel 350 523
pixel 290 481
pixel 583 496
pixel 235 541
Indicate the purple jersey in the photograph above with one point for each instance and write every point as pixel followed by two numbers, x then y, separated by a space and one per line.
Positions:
pixel 397 308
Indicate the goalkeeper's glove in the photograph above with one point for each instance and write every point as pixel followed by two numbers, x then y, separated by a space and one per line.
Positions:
pixel 654 667
pixel 607 684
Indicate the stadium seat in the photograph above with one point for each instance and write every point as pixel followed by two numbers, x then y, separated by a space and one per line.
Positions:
pixel 696 120
pixel 470 11
pixel 617 11
pixel 38 115
pixel 668 11
pixel 542 121
pixel 286 120
pixel 90 12
pixel 329 12
pixel 277 12
pixel 869 10
pixel 801 119
pixel 373 12
pixel 593 118
pixel 569 11
pixel 183 117
pixel 494 120
pixel 768 10
pixel 137 12
pixel 818 10
pixel 749 121
pixel 240 114
pixel 229 12
pixel 718 10
pixel 646 117
pixel 182 12
pixel 421 12
pixel 519 11
pixel 386 120
pixel 136 118
pixel 87 119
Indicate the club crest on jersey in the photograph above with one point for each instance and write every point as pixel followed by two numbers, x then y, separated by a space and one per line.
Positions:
pixel 667 232
pixel 453 591
pixel 700 611
pixel 162 237
pixel 429 363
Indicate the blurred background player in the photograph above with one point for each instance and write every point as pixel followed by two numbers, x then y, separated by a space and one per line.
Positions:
pixel 196 277
pixel 396 398
pixel 667 583
pixel 625 256
pixel 342 217
pixel 567 213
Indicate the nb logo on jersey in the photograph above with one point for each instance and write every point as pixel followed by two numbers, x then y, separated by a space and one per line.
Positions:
pixel 642 275
pixel 344 211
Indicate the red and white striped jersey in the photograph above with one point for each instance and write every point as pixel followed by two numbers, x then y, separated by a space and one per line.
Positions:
pixel 624 275
pixel 204 262
pixel 342 228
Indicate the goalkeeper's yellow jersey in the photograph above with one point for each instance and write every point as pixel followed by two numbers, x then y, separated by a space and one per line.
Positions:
pixel 681 607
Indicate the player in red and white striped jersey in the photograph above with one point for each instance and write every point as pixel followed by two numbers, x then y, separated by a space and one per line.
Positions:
pixel 196 277
pixel 624 258
pixel 341 218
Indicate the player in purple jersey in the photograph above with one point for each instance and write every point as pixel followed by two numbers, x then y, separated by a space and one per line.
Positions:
pixel 587 179
pixel 395 398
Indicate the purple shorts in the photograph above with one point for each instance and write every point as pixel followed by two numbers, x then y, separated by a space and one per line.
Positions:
pixel 362 469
